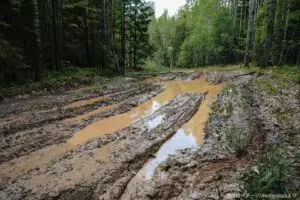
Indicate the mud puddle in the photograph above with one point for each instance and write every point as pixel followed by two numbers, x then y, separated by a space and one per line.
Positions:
pixel 81 118
pixel 189 136
pixel 115 123
pixel 81 103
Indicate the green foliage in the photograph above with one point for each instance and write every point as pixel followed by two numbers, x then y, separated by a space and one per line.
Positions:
pixel 272 177
pixel 276 79
pixel 265 86
pixel 237 141
pixel 152 67
pixel 209 32
pixel 71 33
pixel 71 72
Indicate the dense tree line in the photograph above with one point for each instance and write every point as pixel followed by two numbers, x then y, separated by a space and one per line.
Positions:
pixel 208 32
pixel 39 35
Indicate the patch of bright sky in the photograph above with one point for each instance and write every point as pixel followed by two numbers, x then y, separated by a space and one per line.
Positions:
pixel 171 5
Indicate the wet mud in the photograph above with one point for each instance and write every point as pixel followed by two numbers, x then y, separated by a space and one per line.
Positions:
pixel 163 137
pixel 85 166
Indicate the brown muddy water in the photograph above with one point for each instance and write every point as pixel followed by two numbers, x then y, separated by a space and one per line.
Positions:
pixel 189 136
pixel 90 101
pixel 172 89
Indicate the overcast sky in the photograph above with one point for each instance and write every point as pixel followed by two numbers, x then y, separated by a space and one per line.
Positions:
pixel 171 5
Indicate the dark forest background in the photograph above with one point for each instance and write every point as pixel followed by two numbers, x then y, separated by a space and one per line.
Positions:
pixel 37 37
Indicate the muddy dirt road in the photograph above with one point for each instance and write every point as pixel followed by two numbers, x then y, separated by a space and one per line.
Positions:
pixel 164 137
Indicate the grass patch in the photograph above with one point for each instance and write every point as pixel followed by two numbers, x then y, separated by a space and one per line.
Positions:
pixel 150 67
pixel 266 86
pixel 237 141
pixel 217 68
pixel 69 73
pixel 283 73
pixel 273 176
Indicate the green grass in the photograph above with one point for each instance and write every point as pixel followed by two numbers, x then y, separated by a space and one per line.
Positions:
pixel 282 73
pixel 217 68
pixel 273 176
pixel 72 72
pixel 266 86
pixel 151 67
pixel 276 79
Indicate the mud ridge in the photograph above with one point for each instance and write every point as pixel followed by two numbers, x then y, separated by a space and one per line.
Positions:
pixel 211 171
pixel 81 174
pixel 18 144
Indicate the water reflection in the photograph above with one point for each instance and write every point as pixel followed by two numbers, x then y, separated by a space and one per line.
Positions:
pixel 181 140
pixel 172 89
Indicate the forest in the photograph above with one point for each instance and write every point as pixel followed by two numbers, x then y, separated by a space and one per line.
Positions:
pixel 220 32
pixel 119 35
pixel 52 35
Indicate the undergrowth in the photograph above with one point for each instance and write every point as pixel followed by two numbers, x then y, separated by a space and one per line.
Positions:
pixel 237 141
pixel 273 176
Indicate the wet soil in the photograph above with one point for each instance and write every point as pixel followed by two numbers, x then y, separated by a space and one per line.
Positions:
pixel 163 137
pixel 213 170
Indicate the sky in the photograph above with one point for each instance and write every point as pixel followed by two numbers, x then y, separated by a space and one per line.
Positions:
pixel 171 5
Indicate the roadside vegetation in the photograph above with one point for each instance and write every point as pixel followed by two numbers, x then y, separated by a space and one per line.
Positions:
pixel 237 141
pixel 52 80
pixel 51 50
pixel 273 176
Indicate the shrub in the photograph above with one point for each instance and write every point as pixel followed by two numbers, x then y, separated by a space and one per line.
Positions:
pixel 272 177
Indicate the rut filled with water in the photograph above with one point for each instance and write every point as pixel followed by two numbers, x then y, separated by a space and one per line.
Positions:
pixel 189 136
pixel 172 89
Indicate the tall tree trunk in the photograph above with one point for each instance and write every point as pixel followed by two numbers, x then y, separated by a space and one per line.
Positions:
pixel 267 44
pixel 235 6
pixel 113 24
pixel 106 38
pixel 86 34
pixel 298 58
pixel 285 34
pixel 249 32
pixel 37 31
pixel 241 18
pixel 135 37
pixel 55 47
pixel 122 39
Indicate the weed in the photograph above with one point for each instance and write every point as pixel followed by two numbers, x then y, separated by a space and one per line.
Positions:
pixel 237 141
pixel 272 177
pixel 230 89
